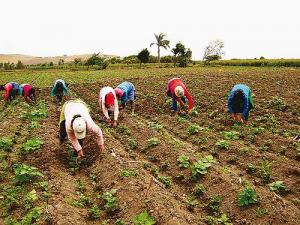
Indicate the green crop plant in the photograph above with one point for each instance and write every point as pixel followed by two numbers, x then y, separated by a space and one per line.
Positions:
pixel 251 168
pixel 82 202
pixel 155 125
pixel 30 146
pixel 265 170
pixel 24 174
pixel 278 187
pixel 10 197
pixel 36 113
pixel 132 143
pixel 129 173
pixel 111 201
pixel 191 203
pixel 94 212
pixel 231 135
pixel 123 130
pixel 144 218
pixel 120 222
pixel 277 103
pixel 6 144
pixel 222 220
pixel 152 142
pixel 80 186
pixel 167 181
pixel 247 196
pixel 199 190
pixel 34 125
pixel 194 129
pixel 214 203
pixel 30 198
pixel 222 144
pixel 183 161
pixel 260 212
pixel 201 166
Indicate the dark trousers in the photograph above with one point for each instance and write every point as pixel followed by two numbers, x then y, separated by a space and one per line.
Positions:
pixel 63 134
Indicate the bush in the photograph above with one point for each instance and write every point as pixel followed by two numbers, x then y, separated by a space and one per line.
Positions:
pixel 247 196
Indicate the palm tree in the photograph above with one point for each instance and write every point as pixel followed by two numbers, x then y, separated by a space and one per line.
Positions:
pixel 160 42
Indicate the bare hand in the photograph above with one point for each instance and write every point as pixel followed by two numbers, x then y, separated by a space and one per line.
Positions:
pixel 101 148
pixel 80 154
pixel 115 123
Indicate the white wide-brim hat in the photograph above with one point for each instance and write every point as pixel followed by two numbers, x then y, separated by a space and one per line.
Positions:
pixel 79 127
pixel 179 92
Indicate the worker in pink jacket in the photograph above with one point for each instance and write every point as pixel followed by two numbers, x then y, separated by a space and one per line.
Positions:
pixel 75 121
pixel 108 103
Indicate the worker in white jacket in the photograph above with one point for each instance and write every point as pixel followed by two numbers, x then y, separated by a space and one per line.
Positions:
pixel 108 102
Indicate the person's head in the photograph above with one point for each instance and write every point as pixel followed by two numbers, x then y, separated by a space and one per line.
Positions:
pixel 79 127
pixel 109 99
pixel 179 92
pixel 59 87
pixel 238 101
pixel 119 92
pixel 32 94
pixel 1 87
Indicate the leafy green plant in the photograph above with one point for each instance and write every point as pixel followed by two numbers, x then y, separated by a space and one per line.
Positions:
pixel 144 219
pixel 191 203
pixel 94 212
pixel 36 113
pixel 194 112
pixel 222 144
pixel 199 190
pixel 32 216
pixel 110 199
pixel 155 125
pixel 6 144
pixel 132 143
pixel 123 129
pixel 214 203
pixel 30 198
pixel 201 166
pixel 247 196
pixel 278 187
pixel 183 161
pixel 265 170
pixel 277 103
pixel 80 186
pixel 251 168
pixel 83 201
pixel 34 125
pixel 152 142
pixel 194 129
pixel 231 135
pixel 129 173
pixel 167 181
pixel 260 212
pixel 222 220
pixel 11 197
pixel 30 146
pixel 24 173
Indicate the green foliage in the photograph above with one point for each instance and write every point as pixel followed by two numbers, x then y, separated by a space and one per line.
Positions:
pixel 277 103
pixel 80 186
pixel 251 168
pixel 223 144
pixel 111 201
pixel 152 142
pixel 6 144
pixel 191 203
pixel 30 146
pixel 11 197
pixel 183 161
pixel 94 212
pixel 30 198
pixel 96 60
pixel 129 173
pixel 222 220
pixel 24 174
pixel 155 125
pixel 32 216
pixel 83 201
pixel 199 190
pixel 247 196
pixel 167 181
pixel 278 187
pixel 194 129
pixel 231 135
pixel 123 129
pixel 214 203
pixel 144 219
pixel 201 166
pixel 265 170
pixel 35 113
pixel 132 143
pixel 260 212
pixel 144 55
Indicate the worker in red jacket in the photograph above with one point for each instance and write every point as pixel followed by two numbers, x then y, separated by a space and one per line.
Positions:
pixel 11 90
pixel 178 92
pixel 28 92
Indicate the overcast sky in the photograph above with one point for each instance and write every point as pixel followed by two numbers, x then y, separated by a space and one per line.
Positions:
pixel 249 28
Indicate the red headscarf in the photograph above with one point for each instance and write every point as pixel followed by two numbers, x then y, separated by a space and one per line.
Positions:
pixel 109 99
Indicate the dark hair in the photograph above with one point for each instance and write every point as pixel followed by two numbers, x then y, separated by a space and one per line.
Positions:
pixel 74 117
pixel 238 102
pixel 1 87
pixel 32 94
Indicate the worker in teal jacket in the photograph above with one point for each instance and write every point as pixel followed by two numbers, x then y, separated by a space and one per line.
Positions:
pixel 240 102
pixel 60 88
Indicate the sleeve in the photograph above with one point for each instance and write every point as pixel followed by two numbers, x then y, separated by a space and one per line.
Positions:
pixel 190 99
pixel 116 110
pixel 229 104
pixel 124 97
pixel 74 141
pixel 6 96
pixel 246 107
pixel 93 127
pixel 104 109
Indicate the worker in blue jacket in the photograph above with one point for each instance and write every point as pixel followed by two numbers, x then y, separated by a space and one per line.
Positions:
pixel 240 102
pixel 126 92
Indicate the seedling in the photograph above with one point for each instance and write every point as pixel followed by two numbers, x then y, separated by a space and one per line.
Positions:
pixel 201 166
pixel 6 144
pixel 123 130
pixel 30 146
pixel 152 142
pixel 144 219
pixel 260 212
pixel 191 203
pixel 111 201
pixel 278 187
pixel 129 173
pixel 83 201
pixel 132 143
pixel 194 129
pixel 11 197
pixel 247 196
pixel 277 103
pixel 199 190
pixel 222 144
pixel 251 168
pixel 154 125
pixel 265 170
pixel 25 174
pixel 167 181
pixel 194 112
pixel 30 198
pixel 183 161
pixel 94 212
pixel 222 220
pixel 231 135
pixel 80 186
pixel 214 203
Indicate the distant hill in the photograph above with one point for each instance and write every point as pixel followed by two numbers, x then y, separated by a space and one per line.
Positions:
pixel 33 60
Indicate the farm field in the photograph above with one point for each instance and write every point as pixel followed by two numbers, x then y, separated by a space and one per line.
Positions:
pixel 188 169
